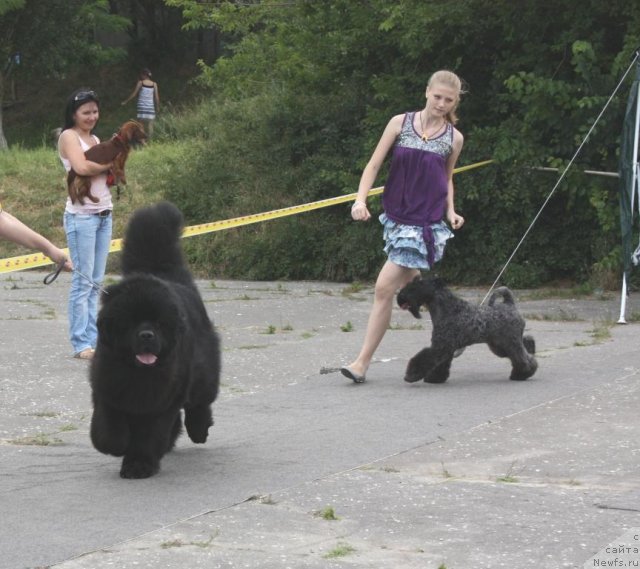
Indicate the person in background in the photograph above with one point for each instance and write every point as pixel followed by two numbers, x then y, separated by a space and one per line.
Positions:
pixel 13 229
pixel 148 100
pixel 418 196
pixel 88 227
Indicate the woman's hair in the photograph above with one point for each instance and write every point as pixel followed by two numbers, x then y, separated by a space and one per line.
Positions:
pixel 145 72
pixel 75 100
pixel 451 80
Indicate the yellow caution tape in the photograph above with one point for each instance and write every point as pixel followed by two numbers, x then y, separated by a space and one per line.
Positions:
pixel 39 260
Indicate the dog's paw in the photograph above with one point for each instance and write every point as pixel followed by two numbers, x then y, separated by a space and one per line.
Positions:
pixel 519 376
pixel 198 436
pixel 529 344
pixel 135 468
pixel 523 374
pixel 413 372
pixel 197 421
pixel 412 378
pixel 436 378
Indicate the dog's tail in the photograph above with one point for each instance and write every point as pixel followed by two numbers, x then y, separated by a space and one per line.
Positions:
pixel 505 293
pixel 152 241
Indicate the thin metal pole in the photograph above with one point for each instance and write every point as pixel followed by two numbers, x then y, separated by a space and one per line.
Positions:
pixel 634 189
pixel 589 172
pixel 623 299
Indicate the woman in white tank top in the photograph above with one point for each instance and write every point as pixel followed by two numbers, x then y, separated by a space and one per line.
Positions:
pixel 88 227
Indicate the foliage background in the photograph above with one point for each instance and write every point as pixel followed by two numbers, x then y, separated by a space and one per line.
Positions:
pixel 298 93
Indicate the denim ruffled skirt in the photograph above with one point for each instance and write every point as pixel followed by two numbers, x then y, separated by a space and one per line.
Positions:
pixel 405 246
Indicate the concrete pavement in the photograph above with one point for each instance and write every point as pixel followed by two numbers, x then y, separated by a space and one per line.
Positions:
pixel 304 469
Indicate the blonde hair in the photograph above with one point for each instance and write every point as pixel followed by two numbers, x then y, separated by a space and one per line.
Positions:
pixel 451 80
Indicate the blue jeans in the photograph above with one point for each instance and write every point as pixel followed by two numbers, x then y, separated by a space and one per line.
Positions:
pixel 88 238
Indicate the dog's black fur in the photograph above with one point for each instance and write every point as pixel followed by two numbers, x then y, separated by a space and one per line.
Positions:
pixel 457 324
pixel 157 350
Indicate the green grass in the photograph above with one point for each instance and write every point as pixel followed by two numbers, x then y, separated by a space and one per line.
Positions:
pixel 43 414
pixel 634 317
pixel 601 331
pixel 328 514
pixel 44 439
pixel 172 543
pixel 353 288
pixel 582 290
pixel 341 550
pixel 561 316
pixel 510 476
pixel 445 472
pixel 40 440
pixel 36 176
pixel 347 327
pixel 398 326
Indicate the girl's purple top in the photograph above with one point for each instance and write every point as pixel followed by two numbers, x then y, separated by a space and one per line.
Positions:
pixel 417 186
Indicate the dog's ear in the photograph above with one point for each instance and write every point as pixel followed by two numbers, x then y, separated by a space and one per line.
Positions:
pixel 127 130
pixel 406 302
pixel 415 310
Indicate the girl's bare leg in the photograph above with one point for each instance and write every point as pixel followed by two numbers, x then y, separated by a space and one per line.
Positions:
pixel 392 277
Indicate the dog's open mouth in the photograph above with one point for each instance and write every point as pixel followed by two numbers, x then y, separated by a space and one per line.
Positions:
pixel 147 359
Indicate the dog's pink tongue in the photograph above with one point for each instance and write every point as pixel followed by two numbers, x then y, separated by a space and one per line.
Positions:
pixel 147 359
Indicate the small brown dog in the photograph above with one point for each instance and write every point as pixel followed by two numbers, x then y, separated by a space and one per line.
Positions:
pixel 115 150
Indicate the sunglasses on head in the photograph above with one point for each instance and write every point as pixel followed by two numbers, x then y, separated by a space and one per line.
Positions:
pixel 83 96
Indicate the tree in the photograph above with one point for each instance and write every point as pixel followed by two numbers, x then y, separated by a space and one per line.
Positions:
pixel 6 63
pixel 310 85
pixel 157 36
pixel 47 39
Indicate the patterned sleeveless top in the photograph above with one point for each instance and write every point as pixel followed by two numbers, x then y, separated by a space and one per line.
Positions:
pixel 146 104
pixel 417 186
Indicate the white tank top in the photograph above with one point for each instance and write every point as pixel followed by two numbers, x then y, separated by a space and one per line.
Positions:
pixel 99 188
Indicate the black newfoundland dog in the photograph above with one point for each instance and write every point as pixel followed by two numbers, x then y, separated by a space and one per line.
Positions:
pixel 157 351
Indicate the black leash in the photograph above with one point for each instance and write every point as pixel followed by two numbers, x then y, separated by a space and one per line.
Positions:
pixel 54 275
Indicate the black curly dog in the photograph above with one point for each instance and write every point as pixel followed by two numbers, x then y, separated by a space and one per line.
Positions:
pixel 457 324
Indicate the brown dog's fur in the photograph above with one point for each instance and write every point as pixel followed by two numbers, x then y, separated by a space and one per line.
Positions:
pixel 114 150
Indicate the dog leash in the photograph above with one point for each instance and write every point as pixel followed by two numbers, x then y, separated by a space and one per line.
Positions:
pixel 54 275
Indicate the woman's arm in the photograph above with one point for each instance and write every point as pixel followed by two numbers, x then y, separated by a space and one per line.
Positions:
pixel 70 148
pixel 133 94
pixel 156 95
pixel 456 221
pixel 359 210
pixel 13 229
